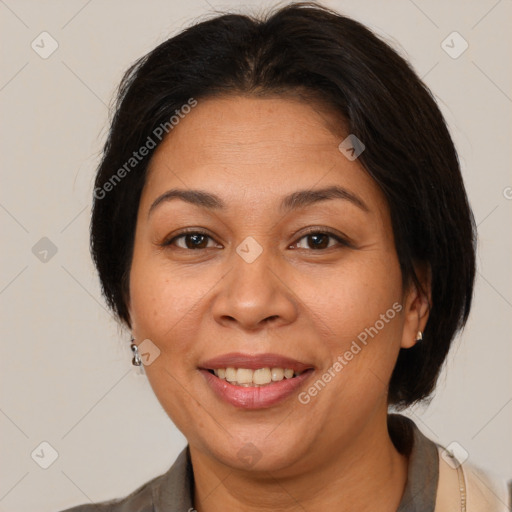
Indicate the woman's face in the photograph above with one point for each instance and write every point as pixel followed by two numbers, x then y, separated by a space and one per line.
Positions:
pixel 278 270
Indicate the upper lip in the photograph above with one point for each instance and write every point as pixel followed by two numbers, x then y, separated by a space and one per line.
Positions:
pixel 253 362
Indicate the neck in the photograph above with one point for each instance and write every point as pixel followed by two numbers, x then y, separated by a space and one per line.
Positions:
pixel 366 475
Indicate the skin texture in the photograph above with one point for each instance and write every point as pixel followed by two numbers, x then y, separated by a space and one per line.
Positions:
pixel 294 300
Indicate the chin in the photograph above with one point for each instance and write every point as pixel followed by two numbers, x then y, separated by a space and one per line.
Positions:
pixel 260 452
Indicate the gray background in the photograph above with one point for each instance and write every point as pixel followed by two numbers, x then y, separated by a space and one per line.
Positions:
pixel 66 376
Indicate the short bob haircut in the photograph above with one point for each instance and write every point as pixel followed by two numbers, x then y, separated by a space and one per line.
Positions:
pixel 321 55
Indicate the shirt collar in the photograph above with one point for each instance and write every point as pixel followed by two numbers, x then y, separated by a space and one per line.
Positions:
pixel 423 473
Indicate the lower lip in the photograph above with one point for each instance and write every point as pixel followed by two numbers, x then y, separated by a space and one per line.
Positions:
pixel 255 397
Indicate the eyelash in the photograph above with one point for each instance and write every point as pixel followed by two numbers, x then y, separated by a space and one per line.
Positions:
pixel 312 231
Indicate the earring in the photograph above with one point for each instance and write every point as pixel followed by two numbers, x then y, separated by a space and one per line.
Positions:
pixel 419 336
pixel 136 361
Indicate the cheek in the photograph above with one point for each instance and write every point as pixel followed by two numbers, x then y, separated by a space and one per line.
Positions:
pixel 355 296
pixel 358 312
pixel 156 302
pixel 160 309
pixel 165 302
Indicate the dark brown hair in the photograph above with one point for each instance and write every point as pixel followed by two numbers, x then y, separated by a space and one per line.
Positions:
pixel 305 47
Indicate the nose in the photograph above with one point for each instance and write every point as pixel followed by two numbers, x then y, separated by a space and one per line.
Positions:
pixel 254 295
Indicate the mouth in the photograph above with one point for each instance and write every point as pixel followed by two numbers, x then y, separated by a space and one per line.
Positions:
pixel 254 382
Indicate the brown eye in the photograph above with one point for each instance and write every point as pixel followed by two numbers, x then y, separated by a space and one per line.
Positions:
pixel 196 241
pixel 319 240
pixel 192 240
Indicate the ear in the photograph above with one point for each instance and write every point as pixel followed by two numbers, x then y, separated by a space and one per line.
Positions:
pixel 417 305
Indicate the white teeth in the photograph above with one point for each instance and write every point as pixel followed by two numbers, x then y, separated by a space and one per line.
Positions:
pixel 230 374
pixel 262 376
pixel 244 376
pixel 254 378
pixel 277 374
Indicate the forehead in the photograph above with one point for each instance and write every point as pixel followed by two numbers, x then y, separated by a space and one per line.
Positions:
pixel 257 148
pixel 220 128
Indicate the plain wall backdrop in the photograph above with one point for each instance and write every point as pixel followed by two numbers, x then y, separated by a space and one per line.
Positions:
pixel 66 373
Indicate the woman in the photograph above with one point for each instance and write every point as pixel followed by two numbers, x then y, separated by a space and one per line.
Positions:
pixel 281 222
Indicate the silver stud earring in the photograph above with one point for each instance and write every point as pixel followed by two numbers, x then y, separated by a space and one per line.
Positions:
pixel 419 336
pixel 136 361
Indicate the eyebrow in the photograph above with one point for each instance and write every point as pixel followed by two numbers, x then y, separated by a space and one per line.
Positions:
pixel 293 201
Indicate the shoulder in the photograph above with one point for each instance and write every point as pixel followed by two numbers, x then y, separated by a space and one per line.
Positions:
pixel 140 500
pixel 440 480
pixel 169 491
pixel 465 484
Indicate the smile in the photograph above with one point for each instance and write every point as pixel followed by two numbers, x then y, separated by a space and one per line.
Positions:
pixel 254 381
